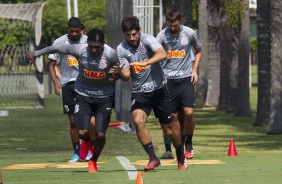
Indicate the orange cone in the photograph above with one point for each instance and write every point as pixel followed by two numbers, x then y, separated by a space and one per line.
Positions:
pixel 139 178
pixel 232 148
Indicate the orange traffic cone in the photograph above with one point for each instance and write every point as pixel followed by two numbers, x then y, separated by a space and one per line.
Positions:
pixel 139 178
pixel 232 148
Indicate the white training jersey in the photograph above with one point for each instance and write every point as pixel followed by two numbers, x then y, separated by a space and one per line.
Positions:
pixel 145 79
pixel 69 64
pixel 179 52
pixel 93 79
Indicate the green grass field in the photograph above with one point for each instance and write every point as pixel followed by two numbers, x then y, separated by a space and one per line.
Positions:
pixel 35 146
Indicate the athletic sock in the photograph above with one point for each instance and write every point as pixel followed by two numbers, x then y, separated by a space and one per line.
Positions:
pixel 179 151
pixel 150 150
pixel 183 137
pixel 75 146
pixel 189 139
pixel 167 143
pixel 188 143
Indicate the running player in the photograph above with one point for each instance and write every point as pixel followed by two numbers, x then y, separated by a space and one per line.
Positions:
pixel 95 91
pixel 67 76
pixel 181 76
pixel 141 53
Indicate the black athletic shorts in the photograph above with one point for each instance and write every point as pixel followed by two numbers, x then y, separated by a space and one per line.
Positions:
pixel 69 95
pixel 158 100
pixel 182 93
pixel 86 107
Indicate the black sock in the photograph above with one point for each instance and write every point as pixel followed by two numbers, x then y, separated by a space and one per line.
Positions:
pixel 183 137
pixel 167 143
pixel 75 146
pixel 179 151
pixel 150 150
pixel 189 139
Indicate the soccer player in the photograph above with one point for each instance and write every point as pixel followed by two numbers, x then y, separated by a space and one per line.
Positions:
pixel 67 76
pixel 94 87
pixel 181 76
pixel 141 53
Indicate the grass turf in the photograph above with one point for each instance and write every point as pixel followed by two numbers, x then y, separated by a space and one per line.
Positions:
pixel 41 137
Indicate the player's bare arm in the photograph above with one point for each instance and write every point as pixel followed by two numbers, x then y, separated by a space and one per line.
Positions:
pixel 52 71
pixel 160 54
pixel 195 68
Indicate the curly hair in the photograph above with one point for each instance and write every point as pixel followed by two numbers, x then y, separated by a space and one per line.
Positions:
pixel 130 22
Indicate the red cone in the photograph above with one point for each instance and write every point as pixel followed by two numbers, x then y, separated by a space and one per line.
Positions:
pixel 232 148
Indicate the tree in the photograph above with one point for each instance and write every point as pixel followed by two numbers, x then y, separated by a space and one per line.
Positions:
pixel 55 17
pixel 264 62
pixel 226 56
pixel 213 53
pixel 202 86
pixel 243 108
pixel 275 118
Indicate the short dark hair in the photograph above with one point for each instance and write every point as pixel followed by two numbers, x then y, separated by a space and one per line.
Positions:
pixel 96 35
pixel 130 22
pixel 74 22
pixel 172 15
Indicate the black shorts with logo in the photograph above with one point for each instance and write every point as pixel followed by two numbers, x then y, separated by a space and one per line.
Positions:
pixel 182 93
pixel 69 95
pixel 86 107
pixel 158 100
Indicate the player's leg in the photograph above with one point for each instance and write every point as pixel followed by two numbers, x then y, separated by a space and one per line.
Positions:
pixel 69 95
pixel 188 101
pixel 161 104
pixel 168 153
pixel 83 114
pixel 140 111
pixel 92 136
pixel 102 112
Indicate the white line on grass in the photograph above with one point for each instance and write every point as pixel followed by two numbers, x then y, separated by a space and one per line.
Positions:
pixel 131 170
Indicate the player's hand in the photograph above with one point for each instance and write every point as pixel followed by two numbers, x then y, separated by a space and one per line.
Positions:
pixel 29 58
pixel 116 69
pixel 194 77
pixel 57 89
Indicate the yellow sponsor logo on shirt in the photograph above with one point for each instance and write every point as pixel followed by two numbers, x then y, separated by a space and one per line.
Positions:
pixel 176 54
pixel 72 61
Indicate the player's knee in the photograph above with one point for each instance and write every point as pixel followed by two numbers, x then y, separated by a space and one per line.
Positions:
pixel 83 134
pixel 167 129
pixel 189 114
